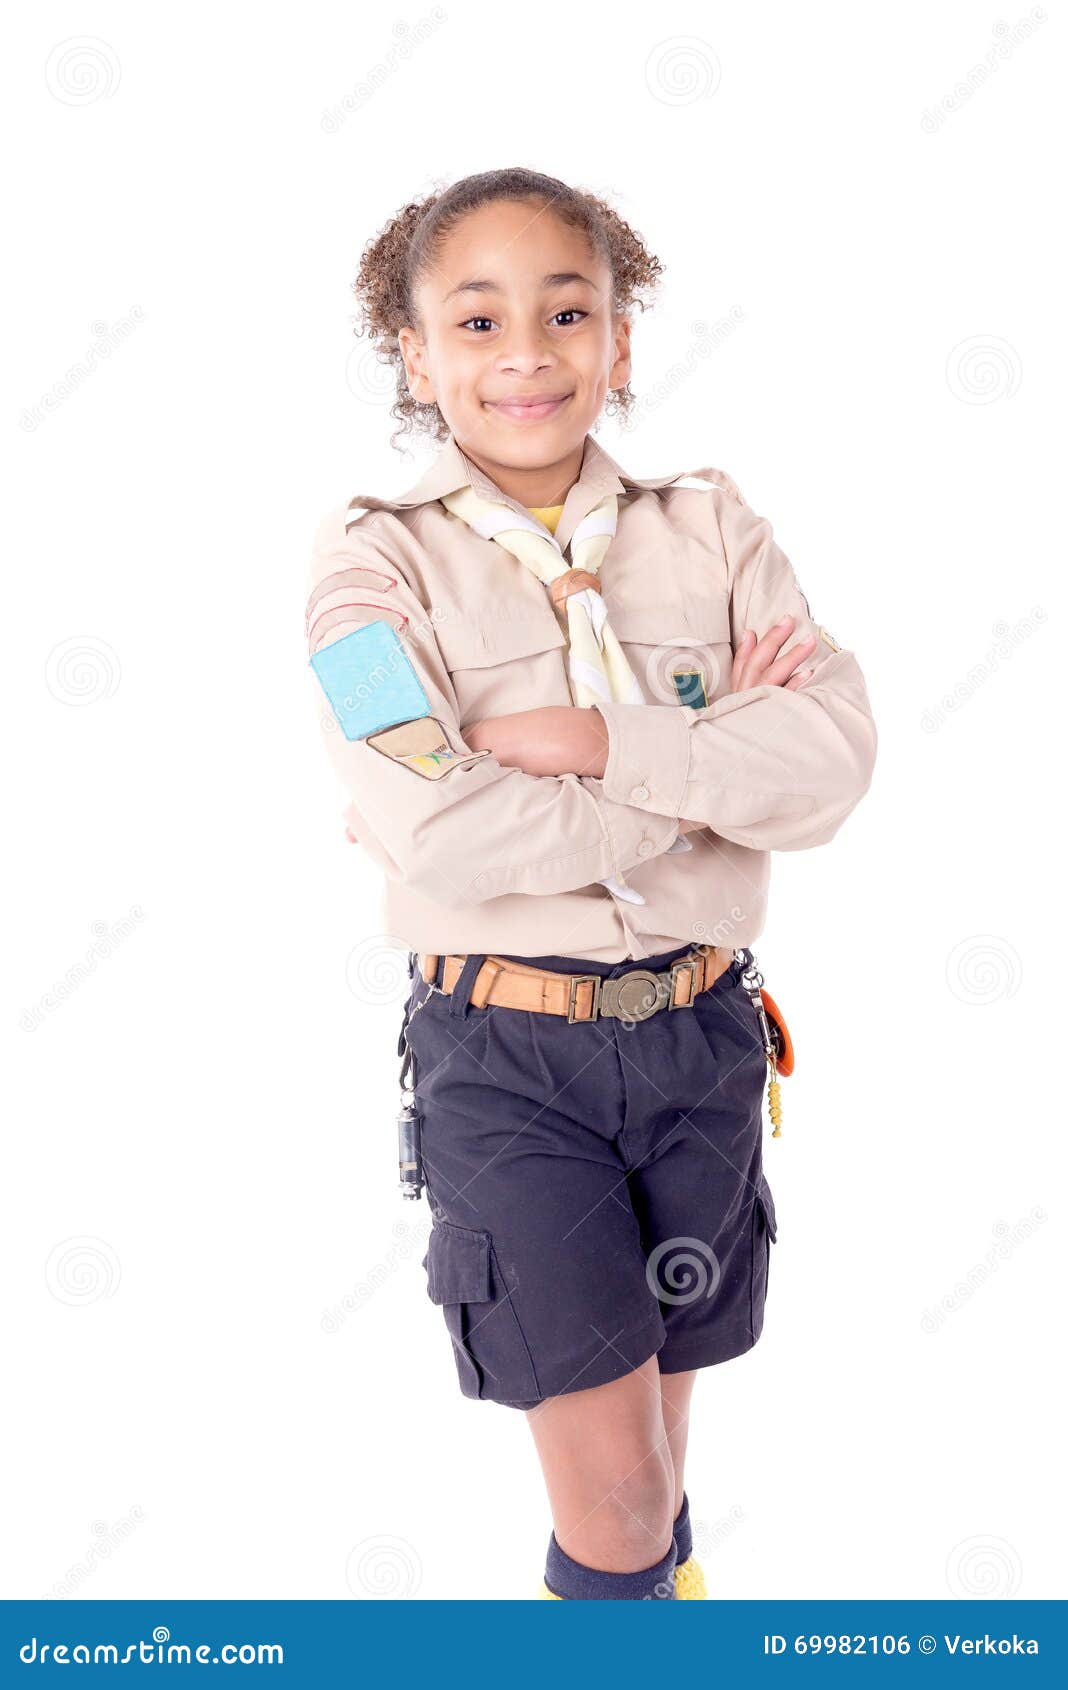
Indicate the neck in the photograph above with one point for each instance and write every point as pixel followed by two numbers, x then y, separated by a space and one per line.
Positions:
pixel 544 484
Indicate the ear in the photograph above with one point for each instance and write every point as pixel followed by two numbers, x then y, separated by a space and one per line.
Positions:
pixel 413 351
pixel 619 375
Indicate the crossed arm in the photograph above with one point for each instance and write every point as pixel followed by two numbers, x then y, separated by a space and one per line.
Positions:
pixel 561 739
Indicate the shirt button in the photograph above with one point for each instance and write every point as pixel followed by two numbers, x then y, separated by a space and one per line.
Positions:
pixel 646 847
pixel 639 794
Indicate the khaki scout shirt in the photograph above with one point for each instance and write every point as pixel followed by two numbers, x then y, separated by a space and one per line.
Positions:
pixel 480 857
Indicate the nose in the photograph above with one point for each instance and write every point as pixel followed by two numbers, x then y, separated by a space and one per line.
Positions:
pixel 524 350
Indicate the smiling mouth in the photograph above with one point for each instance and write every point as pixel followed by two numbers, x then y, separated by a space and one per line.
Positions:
pixel 521 410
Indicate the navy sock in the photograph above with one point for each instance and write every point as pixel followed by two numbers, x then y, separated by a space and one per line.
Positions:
pixel 683 1533
pixel 575 1583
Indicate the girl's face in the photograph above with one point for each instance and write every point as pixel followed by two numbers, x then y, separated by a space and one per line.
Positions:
pixel 516 309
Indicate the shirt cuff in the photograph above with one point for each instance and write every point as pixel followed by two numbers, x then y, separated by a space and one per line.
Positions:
pixel 648 755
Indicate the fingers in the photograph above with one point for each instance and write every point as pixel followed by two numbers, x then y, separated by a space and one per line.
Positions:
pixel 741 658
pixel 782 669
pixel 757 662
pixel 798 680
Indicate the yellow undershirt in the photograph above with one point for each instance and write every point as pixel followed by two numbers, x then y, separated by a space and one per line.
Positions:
pixel 548 514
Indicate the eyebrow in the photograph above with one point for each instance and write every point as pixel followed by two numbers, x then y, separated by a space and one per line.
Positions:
pixel 558 279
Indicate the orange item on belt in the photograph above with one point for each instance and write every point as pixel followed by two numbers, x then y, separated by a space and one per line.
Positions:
pixel 784 1061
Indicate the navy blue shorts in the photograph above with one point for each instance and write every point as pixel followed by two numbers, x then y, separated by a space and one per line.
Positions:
pixel 596 1189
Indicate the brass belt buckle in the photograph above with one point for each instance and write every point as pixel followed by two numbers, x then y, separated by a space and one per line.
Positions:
pixel 627 996
pixel 576 981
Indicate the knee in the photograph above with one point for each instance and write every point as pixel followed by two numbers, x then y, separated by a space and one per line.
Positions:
pixel 631 1526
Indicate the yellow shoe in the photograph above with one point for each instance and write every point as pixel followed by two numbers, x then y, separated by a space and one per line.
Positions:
pixel 689 1582
pixel 545 1591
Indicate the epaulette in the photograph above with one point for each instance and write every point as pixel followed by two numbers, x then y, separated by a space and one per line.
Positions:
pixel 702 479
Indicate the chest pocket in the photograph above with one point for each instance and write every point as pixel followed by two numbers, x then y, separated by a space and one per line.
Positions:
pixel 500 664
pixel 681 653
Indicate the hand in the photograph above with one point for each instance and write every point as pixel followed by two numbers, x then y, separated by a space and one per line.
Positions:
pixel 756 663
pixel 554 739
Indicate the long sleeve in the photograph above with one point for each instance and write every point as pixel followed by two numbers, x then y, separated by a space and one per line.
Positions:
pixel 767 768
pixel 454 825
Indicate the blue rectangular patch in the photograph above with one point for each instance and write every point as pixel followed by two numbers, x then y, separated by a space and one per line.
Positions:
pixel 690 686
pixel 369 679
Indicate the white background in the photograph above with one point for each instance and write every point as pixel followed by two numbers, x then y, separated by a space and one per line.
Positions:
pixel 202 1152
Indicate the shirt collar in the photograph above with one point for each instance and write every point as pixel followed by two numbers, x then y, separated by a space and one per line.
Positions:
pixel 598 476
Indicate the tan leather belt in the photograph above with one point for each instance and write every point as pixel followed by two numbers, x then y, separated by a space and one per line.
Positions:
pixel 633 996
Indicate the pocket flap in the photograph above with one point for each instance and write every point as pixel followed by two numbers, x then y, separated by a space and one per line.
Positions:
pixel 659 622
pixel 457 1264
pixel 477 642
pixel 767 1203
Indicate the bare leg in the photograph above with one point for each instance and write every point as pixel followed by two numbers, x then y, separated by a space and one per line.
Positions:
pixel 608 1470
pixel 675 1392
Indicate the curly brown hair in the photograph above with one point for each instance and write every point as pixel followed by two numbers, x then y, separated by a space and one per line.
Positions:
pixel 394 261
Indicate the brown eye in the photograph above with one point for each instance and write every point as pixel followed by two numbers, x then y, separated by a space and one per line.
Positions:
pixel 471 320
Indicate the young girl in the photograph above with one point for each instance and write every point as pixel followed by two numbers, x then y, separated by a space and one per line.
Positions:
pixel 574 711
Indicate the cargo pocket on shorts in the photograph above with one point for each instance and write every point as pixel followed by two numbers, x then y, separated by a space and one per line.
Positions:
pixel 464 1278
pixel 764 1235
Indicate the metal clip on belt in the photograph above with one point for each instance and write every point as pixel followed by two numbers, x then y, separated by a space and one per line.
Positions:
pixel 634 996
